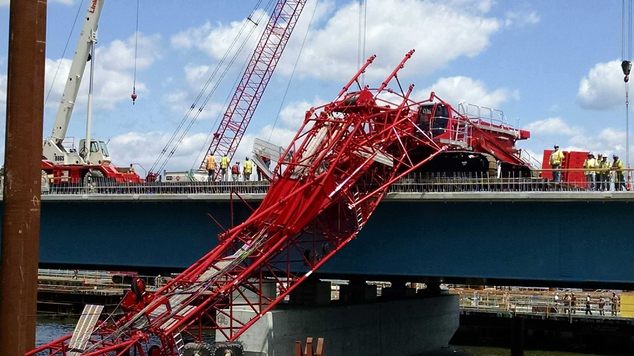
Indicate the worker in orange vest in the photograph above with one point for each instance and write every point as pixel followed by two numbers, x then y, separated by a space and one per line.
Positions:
pixel 235 171
pixel 211 167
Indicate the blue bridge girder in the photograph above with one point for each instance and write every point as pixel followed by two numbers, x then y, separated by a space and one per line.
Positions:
pixel 514 238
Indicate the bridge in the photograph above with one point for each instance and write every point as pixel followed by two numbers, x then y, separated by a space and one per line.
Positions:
pixel 502 232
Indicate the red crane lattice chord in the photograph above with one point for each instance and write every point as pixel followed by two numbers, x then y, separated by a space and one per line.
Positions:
pixel 255 78
pixel 338 168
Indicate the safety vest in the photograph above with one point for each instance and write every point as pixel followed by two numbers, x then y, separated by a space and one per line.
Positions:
pixel 235 169
pixel 606 167
pixel 248 167
pixel 556 157
pixel 224 162
pixel 211 163
pixel 618 165
pixel 590 163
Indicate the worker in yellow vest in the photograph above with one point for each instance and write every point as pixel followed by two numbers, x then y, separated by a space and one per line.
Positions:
pixel 598 174
pixel 619 178
pixel 224 165
pixel 556 159
pixel 590 164
pixel 211 167
pixel 605 173
pixel 248 169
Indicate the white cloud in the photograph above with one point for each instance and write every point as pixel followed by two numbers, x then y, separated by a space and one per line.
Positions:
pixel 459 89
pixel 294 113
pixel 602 88
pixel 607 141
pixel 143 148
pixel 215 40
pixel 451 30
pixel 521 19
pixel 196 75
pixel 553 125
pixel 113 72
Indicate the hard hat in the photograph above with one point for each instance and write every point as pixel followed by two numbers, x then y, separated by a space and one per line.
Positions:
pixel 599 155
pixel 556 146
pixel 615 156
pixel 590 154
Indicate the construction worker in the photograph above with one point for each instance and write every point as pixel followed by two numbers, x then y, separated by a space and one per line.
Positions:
pixel 598 174
pixel 619 179
pixel 131 170
pixel 248 169
pixel 235 171
pixel 588 302
pixel 556 159
pixel 224 165
pixel 210 165
pixel 590 164
pixel 605 173
pixel 614 301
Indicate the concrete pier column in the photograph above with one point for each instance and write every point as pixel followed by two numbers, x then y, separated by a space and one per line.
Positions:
pixel 406 327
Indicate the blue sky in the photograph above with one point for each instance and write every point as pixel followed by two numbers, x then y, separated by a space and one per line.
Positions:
pixel 553 65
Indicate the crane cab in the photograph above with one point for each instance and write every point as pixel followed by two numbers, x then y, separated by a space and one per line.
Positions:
pixel 98 152
pixel 436 121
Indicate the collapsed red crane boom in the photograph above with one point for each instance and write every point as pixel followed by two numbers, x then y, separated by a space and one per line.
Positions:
pixel 338 168
pixel 255 78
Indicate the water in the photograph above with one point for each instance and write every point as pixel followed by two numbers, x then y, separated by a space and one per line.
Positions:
pixel 48 330
pixel 51 329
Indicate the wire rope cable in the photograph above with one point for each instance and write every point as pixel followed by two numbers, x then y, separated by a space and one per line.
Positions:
pixel 214 88
pixel 202 91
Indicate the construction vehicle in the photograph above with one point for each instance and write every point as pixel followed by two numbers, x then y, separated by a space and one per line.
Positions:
pixel 477 144
pixel 92 160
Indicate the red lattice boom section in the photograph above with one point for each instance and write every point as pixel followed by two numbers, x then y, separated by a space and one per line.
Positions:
pixel 338 168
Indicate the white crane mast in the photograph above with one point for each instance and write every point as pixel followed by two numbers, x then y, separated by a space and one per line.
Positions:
pixel 53 148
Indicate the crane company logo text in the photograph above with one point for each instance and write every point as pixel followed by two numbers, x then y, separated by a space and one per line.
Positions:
pixel 93 6
pixel 58 158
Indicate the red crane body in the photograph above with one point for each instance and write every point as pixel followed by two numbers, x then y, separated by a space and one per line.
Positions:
pixel 255 78
pixel 337 169
pixel 340 165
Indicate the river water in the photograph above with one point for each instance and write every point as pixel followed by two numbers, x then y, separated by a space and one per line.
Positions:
pixel 51 329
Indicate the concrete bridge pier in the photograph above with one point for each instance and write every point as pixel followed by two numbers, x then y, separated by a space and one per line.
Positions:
pixel 404 327
pixel 517 336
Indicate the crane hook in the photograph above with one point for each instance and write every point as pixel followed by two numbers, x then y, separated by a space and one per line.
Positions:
pixel 133 96
pixel 627 67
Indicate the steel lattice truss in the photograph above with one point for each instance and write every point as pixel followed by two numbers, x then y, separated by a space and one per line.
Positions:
pixel 338 168
pixel 255 78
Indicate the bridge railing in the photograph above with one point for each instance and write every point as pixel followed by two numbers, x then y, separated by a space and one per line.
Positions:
pixel 541 304
pixel 575 181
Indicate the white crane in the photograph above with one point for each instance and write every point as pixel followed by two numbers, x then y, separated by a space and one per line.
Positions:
pixel 91 152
